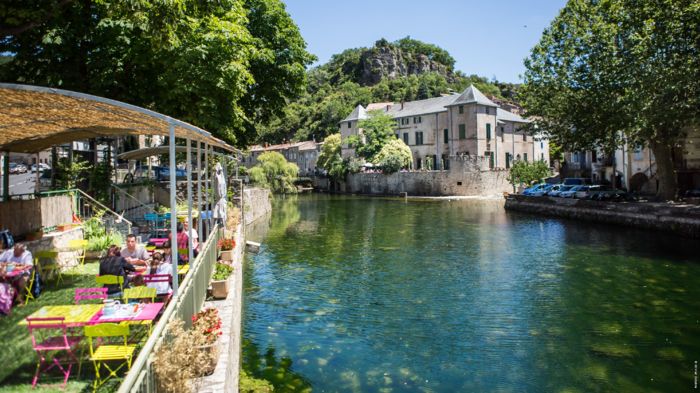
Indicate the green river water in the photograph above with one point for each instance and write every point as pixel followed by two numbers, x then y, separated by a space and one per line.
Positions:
pixel 355 294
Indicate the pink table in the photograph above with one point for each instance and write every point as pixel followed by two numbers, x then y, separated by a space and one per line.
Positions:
pixel 16 272
pixel 157 241
pixel 148 313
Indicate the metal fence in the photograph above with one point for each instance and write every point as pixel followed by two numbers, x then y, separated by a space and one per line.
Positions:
pixel 188 301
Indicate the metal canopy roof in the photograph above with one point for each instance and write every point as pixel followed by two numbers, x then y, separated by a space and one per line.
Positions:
pixel 34 118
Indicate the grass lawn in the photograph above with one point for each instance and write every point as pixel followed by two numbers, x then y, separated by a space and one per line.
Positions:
pixel 17 357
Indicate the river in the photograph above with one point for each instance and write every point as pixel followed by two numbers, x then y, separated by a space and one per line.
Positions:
pixel 359 294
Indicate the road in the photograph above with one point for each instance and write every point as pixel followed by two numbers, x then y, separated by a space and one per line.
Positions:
pixel 23 183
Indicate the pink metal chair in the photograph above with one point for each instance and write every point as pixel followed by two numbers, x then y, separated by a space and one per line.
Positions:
pixel 159 278
pixel 51 345
pixel 90 294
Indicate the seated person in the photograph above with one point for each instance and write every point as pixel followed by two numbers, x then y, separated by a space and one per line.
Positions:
pixel 19 256
pixel 134 253
pixel 192 234
pixel 114 264
pixel 159 266
pixel 168 254
pixel 183 241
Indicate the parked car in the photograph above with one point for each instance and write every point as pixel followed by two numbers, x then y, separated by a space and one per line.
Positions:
pixel 542 191
pixel 163 173
pixel 596 190
pixel 581 192
pixel 555 187
pixel 42 167
pixel 16 168
pixel 692 193
pixel 534 188
pixel 560 190
pixel 571 192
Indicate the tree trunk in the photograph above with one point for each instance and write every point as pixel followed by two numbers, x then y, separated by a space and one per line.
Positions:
pixel 668 184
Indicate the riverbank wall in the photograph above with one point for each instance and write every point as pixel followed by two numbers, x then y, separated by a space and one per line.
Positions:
pixel 225 377
pixel 683 220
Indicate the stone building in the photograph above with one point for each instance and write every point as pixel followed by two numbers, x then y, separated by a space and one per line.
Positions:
pixel 303 154
pixel 467 124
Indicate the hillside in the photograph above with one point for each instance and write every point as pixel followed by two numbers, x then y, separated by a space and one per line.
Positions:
pixel 402 70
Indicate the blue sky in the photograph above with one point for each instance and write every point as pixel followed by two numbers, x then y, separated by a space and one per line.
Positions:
pixel 487 38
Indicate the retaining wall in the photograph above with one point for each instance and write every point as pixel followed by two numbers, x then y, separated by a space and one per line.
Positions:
pixel 682 220
pixel 24 216
pixel 256 204
pixel 430 183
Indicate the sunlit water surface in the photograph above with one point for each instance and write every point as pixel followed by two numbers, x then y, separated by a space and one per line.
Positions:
pixel 353 294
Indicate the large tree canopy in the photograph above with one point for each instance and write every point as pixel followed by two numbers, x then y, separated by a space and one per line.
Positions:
pixel 224 66
pixel 613 69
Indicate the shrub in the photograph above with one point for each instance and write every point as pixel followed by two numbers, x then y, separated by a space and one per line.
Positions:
pixel 394 156
pixel 274 172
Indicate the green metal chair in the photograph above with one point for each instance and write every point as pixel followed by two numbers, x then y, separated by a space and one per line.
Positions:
pixel 79 245
pixel 109 279
pixel 109 352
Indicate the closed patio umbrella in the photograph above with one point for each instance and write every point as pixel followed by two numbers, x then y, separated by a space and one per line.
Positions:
pixel 220 193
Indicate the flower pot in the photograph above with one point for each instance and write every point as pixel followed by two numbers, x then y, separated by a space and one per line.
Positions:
pixel 64 227
pixel 207 356
pixel 219 289
pixel 34 235
pixel 92 255
pixel 226 255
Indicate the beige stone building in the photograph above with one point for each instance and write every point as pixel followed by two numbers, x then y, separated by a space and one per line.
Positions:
pixel 304 154
pixel 466 124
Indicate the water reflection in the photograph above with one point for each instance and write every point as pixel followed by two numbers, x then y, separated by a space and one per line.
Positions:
pixel 368 294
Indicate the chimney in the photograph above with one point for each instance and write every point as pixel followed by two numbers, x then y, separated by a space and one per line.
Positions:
pixel 401 105
pixel 387 107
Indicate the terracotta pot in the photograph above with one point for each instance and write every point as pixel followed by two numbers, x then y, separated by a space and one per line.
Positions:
pixel 226 255
pixel 219 289
pixel 35 235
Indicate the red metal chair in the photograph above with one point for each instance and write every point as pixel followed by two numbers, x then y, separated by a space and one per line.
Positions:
pixel 46 344
pixel 89 294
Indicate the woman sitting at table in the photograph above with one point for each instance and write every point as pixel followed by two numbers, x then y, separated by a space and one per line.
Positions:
pixel 114 264
pixel 19 256
pixel 159 266
pixel 168 254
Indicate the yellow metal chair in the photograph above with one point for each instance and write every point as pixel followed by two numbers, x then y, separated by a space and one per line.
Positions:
pixel 106 352
pixel 140 293
pixel 47 263
pixel 28 295
pixel 109 279
pixel 79 245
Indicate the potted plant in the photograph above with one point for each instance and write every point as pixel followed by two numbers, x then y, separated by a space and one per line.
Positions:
pixel 206 326
pixel 220 282
pixel 226 247
pixel 35 234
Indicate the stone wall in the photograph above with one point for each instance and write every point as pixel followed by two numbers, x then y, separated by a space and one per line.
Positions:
pixel 682 220
pixel 465 177
pixel 257 203
pixel 24 216
pixel 58 241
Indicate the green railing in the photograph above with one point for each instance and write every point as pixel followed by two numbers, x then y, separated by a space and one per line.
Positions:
pixel 188 301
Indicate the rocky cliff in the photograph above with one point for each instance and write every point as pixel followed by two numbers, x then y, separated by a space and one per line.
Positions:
pixel 393 62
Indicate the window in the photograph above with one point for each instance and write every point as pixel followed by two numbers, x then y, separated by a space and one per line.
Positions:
pixel 541 156
pixel 502 134
pixel 462 132
pixel 420 119
pixel 488 131
pixel 418 163
pixel 445 136
pixel 405 138
pixel 491 158
pixel 541 145
pixel 638 156
pixel 509 158
pixel 349 124
pixel 461 109
pixel 525 157
pixel 487 110
pixel 419 137
pixel 524 137
pixel 416 119
pixel 398 135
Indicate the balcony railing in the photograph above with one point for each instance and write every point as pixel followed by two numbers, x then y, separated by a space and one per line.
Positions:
pixel 187 302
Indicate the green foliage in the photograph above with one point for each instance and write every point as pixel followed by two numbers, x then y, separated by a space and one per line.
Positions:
pixel 377 130
pixel 69 174
pixel 101 181
pixel 330 157
pixel 102 242
pixel 93 227
pixel 353 164
pixel 248 384
pixel 243 60
pixel 620 67
pixel 222 272
pixel 274 172
pixel 523 172
pixel 335 88
pixel 393 156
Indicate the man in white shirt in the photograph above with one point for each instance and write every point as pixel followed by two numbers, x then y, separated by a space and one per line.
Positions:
pixel 133 253
pixel 19 256
pixel 192 233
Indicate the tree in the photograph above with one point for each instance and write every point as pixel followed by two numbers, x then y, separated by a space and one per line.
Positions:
pixel 618 70
pixel 274 172
pixel 70 173
pixel 523 172
pixel 330 157
pixel 394 156
pixel 223 66
pixel 377 130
